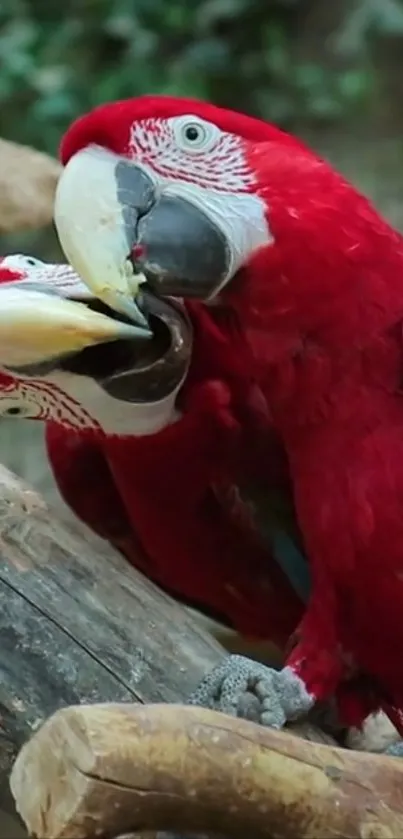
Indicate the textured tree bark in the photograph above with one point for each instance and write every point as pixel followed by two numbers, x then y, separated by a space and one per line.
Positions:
pixel 78 624
pixel 108 770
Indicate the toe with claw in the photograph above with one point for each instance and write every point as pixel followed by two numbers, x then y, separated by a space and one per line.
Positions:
pixel 395 750
pixel 240 684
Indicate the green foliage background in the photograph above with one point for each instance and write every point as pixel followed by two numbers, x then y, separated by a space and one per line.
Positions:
pixel 291 61
pixel 309 65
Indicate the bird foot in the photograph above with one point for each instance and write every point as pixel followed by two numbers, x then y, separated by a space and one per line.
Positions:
pixel 245 688
pixel 395 750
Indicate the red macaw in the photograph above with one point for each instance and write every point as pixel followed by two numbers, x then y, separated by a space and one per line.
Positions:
pixel 169 196
pixel 145 439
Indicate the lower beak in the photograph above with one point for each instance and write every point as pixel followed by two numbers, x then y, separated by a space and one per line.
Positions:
pixel 37 326
pixel 111 214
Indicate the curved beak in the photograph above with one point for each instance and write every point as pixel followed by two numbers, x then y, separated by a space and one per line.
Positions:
pixel 121 226
pixel 38 324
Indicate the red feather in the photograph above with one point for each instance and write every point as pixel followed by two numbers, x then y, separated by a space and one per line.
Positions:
pixel 157 491
pixel 167 501
pixel 320 314
pixel 322 310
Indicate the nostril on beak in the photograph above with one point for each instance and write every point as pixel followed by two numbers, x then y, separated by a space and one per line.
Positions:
pixel 138 251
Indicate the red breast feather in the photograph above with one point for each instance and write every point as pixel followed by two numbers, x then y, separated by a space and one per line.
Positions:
pixel 322 311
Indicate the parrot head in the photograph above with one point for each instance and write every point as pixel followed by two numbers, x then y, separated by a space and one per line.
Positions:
pixel 163 194
pixel 65 357
pixel 179 197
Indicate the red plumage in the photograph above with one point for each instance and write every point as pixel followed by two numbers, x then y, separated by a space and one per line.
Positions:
pixel 335 299
pixel 315 318
pixel 168 501
pixel 172 494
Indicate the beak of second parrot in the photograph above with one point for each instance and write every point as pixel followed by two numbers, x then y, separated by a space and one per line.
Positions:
pixel 124 231
pixel 56 325
pixel 37 325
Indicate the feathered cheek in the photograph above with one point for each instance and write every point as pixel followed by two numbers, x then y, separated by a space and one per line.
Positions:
pixel 15 402
pixel 121 224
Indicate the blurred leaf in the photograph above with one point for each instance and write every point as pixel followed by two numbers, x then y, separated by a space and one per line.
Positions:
pixel 212 53
pixel 55 106
pixel 388 17
pixel 369 17
pixel 214 11
pixel 354 84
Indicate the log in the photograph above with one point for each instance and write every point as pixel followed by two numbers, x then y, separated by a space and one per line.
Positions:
pixel 79 624
pixel 106 770
pixel 28 180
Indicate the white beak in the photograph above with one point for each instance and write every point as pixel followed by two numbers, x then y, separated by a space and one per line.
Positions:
pixel 36 325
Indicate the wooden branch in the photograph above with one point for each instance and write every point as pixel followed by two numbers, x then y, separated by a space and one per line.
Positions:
pixel 107 770
pixel 28 181
pixel 79 624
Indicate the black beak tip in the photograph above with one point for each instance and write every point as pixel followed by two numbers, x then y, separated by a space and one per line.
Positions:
pixel 162 282
pixel 178 248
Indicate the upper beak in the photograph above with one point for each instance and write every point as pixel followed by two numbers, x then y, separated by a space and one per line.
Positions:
pixel 111 213
pixel 37 325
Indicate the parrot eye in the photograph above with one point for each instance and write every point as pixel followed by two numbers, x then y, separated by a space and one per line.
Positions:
pixel 14 412
pixel 20 262
pixel 193 134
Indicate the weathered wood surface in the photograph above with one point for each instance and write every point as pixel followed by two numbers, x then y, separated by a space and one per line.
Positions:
pixel 78 624
pixel 111 769
pixel 28 180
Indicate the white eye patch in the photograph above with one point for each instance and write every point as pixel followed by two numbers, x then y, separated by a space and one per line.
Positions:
pixel 21 262
pixel 193 134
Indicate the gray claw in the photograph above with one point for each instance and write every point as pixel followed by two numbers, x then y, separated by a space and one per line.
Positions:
pixel 395 750
pixel 233 686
